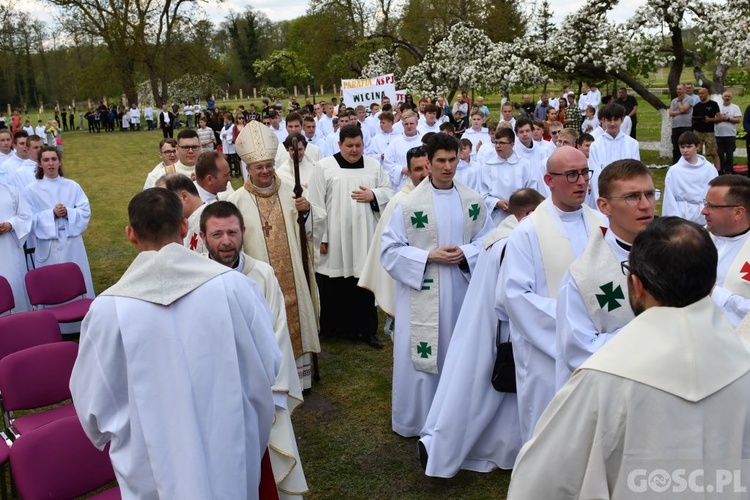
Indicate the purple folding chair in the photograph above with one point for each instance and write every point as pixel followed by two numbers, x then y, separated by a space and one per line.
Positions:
pixel 34 378
pixel 55 287
pixel 24 330
pixel 7 302
pixel 58 461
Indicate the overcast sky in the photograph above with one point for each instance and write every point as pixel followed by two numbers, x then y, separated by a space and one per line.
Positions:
pixel 282 10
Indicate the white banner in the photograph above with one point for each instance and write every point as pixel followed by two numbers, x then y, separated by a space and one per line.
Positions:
pixel 365 91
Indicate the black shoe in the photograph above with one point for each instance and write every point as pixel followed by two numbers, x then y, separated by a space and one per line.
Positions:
pixel 422 454
pixel 373 342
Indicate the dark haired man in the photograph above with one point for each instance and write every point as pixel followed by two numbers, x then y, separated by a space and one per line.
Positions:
pixel 184 313
pixel 429 247
pixel 212 176
pixel 221 229
pixel 669 394
pixel 351 188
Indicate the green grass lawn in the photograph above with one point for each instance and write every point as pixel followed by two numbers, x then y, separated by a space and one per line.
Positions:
pixel 348 449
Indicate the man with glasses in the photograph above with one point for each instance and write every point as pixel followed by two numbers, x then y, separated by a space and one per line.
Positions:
pixel 592 305
pixel 726 131
pixel 270 211
pixel 168 155
pixel 503 174
pixel 727 212
pixel 662 408
pixel 538 254
pixel 611 146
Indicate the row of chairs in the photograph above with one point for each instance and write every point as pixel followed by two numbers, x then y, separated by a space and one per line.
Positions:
pixel 58 288
pixel 49 453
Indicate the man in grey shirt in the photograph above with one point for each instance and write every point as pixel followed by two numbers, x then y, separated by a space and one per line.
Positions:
pixel 681 111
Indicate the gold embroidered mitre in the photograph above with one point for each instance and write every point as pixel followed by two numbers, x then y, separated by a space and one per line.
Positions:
pixel 256 143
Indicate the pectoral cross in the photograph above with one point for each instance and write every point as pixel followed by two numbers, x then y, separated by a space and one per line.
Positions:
pixel 267 228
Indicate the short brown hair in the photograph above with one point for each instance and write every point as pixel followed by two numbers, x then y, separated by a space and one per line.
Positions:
pixel 620 170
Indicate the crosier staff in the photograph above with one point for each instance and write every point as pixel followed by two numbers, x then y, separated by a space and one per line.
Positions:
pixel 303 239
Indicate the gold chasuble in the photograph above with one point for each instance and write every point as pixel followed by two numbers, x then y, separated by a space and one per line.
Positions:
pixel 271 222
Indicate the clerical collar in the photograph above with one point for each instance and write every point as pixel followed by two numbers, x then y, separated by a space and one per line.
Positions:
pixel 263 192
pixel 442 190
pixel 622 244
pixel 345 164
pixel 738 234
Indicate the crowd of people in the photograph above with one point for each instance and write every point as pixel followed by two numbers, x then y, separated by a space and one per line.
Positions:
pixel 533 297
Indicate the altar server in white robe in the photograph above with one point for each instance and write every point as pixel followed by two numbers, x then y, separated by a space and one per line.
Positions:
pixel 15 227
pixel 168 155
pixel 528 150
pixel 537 256
pixel 471 425
pixel 430 248
pixel 293 127
pixel 614 144
pixel 670 394
pixel 353 190
pixel 503 174
pixel 175 367
pixel 222 227
pixel 686 183
pixel 592 305
pixel 383 137
pixel 26 171
pixel 394 159
pixel 468 171
pixel 374 277
pixel 727 212
pixel 61 214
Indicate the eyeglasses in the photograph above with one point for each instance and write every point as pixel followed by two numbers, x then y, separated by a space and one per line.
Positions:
pixel 573 175
pixel 625 267
pixel 633 199
pixel 711 206
pixel 261 168
pixel 169 152
pixel 554 132
pixel 189 148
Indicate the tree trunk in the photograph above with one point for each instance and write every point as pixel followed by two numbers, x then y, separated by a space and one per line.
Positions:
pixel 678 64
pixel 665 143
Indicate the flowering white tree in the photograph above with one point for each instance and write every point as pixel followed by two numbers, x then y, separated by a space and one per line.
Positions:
pixel 382 62
pixel 589 44
pixel 467 58
pixel 185 88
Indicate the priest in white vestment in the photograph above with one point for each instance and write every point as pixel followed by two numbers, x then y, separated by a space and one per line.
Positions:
pixel 15 227
pixel 212 176
pixel 430 247
pixel 687 181
pixel 374 277
pixel 61 213
pixel 503 174
pixel 592 305
pixel 181 388
pixel 394 158
pixel 613 145
pixel 537 256
pixel 222 228
pixel 471 425
pixel 668 397
pixel 353 190
pixel 168 155
pixel 528 150
pixel 271 213
pixel 727 212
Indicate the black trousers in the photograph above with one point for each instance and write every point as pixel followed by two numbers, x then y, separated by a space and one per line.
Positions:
pixel 167 131
pixel 345 308
pixel 726 147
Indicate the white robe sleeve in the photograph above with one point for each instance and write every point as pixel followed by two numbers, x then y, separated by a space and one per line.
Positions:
pixel 471 250
pixel 532 315
pixel 383 192
pixel 316 193
pixel 577 336
pixel 22 219
pixel 78 215
pixel 405 264
pixel 486 189
pixel 44 225
pixel 391 164
pixel 669 203
pixel 736 306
